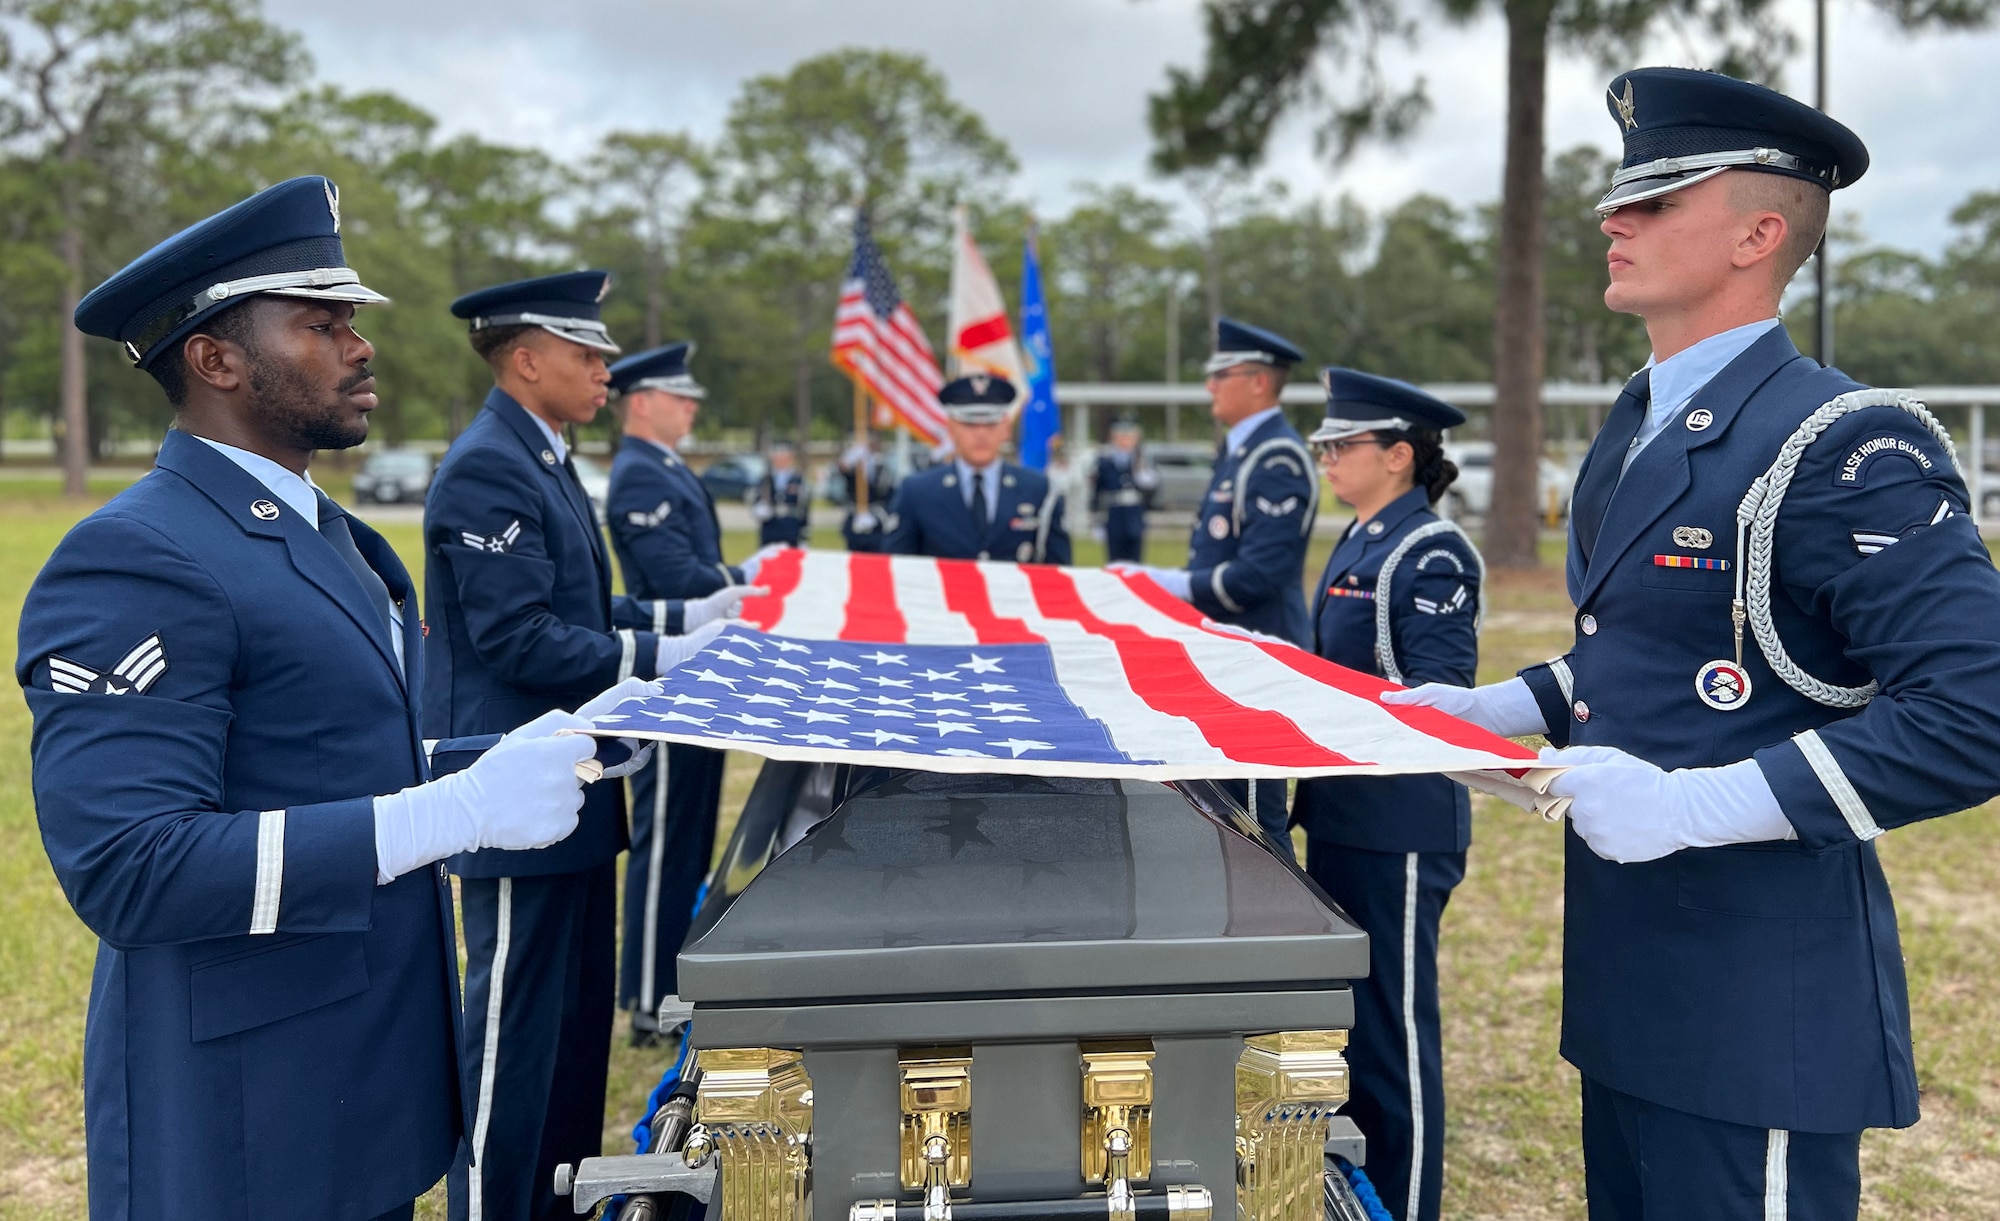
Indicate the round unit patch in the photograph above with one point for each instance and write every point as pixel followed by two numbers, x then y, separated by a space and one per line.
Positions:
pixel 1723 685
pixel 1218 528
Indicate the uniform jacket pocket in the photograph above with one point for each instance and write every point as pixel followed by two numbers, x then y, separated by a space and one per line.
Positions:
pixel 1779 883
pixel 242 992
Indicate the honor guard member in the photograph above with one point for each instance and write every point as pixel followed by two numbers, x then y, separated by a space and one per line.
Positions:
pixel 669 545
pixel 225 671
pixel 1122 489
pixel 1247 557
pixel 523 620
pixel 782 503
pixel 977 507
pixel 864 529
pixel 1787 641
pixel 1400 598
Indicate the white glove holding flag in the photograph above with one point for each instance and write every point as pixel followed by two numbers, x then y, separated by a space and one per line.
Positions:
pixel 1175 581
pixel 675 650
pixel 523 793
pixel 1628 810
pixel 607 701
pixel 1506 708
pixel 724 603
pixel 756 561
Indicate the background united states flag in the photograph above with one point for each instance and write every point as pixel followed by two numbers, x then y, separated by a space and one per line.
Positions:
pixel 949 665
pixel 877 341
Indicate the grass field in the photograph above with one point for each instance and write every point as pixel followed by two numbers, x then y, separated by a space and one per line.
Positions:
pixel 1512 1150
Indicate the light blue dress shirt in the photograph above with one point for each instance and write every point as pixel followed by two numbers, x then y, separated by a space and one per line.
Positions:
pixel 1678 378
pixel 967 472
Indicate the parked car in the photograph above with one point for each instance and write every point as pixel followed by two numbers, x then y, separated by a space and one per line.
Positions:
pixel 733 477
pixel 394 476
pixel 1185 468
pixel 1472 494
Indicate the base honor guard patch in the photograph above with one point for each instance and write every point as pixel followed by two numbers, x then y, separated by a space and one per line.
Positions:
pixel 134 673
pixel 498 544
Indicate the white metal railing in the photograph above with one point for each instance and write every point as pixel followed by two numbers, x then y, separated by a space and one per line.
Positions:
pixel 1081 397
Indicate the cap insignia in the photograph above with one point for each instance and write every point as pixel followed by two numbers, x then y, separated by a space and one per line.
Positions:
pixel 979 384
pixel 603 287
pixel 332 201
pixel 1627 108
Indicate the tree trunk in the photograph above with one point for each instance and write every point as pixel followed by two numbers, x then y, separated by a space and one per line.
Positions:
pixel 802 369
pixel 656 299
pixel 1520 336
pixel 75 400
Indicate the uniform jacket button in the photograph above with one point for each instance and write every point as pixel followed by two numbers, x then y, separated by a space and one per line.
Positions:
pixel 1589 625
pixel 1582 711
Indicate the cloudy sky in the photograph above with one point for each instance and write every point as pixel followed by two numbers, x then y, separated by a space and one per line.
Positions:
pixel 1065 83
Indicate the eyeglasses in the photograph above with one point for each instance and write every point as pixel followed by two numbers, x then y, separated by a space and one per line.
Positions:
pixel 1337 448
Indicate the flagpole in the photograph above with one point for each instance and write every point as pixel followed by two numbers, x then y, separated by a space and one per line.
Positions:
pixel 861 440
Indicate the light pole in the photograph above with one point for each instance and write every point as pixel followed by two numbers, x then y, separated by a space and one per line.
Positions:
pixel 1822 307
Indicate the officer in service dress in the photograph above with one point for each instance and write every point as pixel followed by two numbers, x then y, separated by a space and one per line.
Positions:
pixel 1247 556
pixel 225 671
pixel 1400 598
pixel 669 546
pixel 782 501
pixel 978 507
pixel 1745 709
pixel 523 620
pixel 1121 488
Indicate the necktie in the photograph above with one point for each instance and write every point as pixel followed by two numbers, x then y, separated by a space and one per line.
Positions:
pixel 333 528
pixel 1607 460
pixel 980 516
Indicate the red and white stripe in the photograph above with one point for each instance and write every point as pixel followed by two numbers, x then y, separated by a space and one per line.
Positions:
pixel 1166 682
pixel 892 358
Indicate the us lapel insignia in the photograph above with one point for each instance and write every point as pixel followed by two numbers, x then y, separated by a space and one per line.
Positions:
pixel 134 673
pixel 1699 419
pixel 263 510
pixel 498 544
pixel 1375 528
pixel 549 456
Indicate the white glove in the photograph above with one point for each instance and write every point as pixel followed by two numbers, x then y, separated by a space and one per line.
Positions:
pixel 1506 708
pixel 864 522
pixel 761 511
pixel 853 455
pixel 1628 810
pixel 724 603
pixel 523 793
pixel 674 650
pixel 607 701
pixel 755 562
pixel 1175 581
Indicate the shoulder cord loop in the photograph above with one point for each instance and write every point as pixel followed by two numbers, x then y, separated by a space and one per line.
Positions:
pixel 1249 466
pixel 1757 519
pixel 1385 652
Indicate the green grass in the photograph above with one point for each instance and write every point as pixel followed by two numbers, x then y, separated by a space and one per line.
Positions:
pixel 1512 1149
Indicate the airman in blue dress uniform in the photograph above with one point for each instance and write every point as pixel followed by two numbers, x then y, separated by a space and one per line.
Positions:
pixel 669 546
pixel 225 672
pixel 867 527
pixel 782 501
pixel 977 507
pixel 1787 642
pixel 1400 598
pixel 1122 487
pixel 523 620
pixel 1247 556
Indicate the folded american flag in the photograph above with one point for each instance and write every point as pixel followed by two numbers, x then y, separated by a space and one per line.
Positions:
pixel 954 666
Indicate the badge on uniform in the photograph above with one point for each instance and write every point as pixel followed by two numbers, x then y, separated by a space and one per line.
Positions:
pixel 498 544
pixel 1723 685
pixel 645 520
pixel 1218 528
pixel 1700 419
pixel 1376 527
pixel 1694 538
pixel 134 673
pixel 1279 508
pixel 1447 606
pixel 263 510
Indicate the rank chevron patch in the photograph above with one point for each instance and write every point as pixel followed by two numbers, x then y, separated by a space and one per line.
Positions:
pixel 137 671
pixel 498 544
pixel 645 520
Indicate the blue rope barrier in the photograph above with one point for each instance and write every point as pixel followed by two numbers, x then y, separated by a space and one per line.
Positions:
pixel 1364 1191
